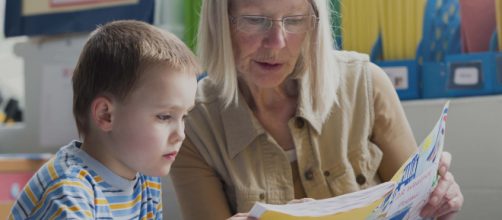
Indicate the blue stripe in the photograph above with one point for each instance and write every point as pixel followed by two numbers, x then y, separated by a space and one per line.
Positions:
pixel 68 167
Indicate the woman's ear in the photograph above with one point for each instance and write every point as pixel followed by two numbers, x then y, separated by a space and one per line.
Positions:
pixel 101 113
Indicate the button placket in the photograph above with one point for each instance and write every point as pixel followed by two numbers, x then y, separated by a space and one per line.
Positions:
pixel 309 174
pixel 299 123
pixel 327 173
pixel 276 163
pixel 360 179
pixel 309 169
pixel 262 196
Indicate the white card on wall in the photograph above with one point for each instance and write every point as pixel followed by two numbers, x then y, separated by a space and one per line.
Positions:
pixel 398 75
pixel 466 76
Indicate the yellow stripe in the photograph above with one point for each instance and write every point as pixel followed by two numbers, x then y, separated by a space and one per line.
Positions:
pixel 82 174
pixel 72 209
pixel 159 205
pixel 101 201
pixel 30 194
pixel 56 214
pixel 98 179
pixel 148 216
pixel 52 170
pixel 88 213
pixel 153 185
pixel 56 186
pixel 126 205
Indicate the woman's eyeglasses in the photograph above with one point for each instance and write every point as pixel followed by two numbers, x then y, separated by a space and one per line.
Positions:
pixel 254 24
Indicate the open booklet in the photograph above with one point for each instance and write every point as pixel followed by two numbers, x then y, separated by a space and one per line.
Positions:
pixel 401 198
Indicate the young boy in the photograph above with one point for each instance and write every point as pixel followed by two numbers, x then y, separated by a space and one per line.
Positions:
pixel 133 86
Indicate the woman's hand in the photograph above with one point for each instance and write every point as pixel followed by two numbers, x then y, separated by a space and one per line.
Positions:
pixel 242 216
pixel 446 199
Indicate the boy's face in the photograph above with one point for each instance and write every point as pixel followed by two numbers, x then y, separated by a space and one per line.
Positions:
pixel 148 127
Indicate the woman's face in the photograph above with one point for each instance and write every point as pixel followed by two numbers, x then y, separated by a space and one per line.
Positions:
pixel 265 57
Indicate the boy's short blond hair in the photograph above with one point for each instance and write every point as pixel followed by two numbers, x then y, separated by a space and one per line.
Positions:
pixel 114 58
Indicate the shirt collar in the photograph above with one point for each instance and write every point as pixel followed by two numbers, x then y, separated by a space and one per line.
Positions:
pixel 241 127
pixel 306 112
pixel 104 172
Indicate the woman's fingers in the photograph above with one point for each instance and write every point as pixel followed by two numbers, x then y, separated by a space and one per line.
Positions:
pixel 452 204
pixel 445 199
pixel 444 163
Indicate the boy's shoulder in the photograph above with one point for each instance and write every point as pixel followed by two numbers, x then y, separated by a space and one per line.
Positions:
pixel 64 181
pixel 65 171
pixel 67 164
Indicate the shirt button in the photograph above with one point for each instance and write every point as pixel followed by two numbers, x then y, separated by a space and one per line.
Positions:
pixel 326 173
pixel 299 123
pixel 262 196
pixel 360 179
pixel 309 175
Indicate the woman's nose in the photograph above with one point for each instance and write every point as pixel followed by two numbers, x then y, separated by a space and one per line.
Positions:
pixel 275 36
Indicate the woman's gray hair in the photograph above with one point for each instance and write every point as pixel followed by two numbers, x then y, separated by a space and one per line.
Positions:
pixel 315 68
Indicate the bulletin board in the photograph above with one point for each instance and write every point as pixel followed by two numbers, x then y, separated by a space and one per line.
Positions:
pixel 50 17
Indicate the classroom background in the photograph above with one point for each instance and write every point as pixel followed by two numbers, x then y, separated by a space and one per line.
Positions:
pixel 432 50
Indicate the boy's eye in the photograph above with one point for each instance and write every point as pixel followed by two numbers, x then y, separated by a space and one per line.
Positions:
pixel 164 117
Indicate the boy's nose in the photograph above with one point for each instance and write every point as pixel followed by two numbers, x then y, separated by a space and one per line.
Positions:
pixel 178 135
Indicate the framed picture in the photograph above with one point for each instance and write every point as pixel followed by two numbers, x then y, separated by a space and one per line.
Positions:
pixel 50 17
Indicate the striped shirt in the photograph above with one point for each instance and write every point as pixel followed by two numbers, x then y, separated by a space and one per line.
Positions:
pixel 73 185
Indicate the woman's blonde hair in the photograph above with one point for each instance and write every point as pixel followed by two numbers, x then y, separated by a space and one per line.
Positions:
pixel 315 68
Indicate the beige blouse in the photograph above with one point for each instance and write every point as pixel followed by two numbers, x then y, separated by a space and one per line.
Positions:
pixel 228 161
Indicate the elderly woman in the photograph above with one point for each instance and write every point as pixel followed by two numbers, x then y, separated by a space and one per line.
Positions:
pixel 282 116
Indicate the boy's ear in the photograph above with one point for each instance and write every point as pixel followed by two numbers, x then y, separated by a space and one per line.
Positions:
pixel 101 113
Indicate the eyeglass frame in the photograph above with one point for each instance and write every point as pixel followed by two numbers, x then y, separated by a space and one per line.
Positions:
pixel 233 20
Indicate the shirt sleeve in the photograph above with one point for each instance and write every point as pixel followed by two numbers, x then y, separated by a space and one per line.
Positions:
pixel 199 189
pixel 66 198
pixel 391 130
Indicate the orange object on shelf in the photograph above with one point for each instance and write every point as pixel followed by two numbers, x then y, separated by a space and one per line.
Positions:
pixel 15 171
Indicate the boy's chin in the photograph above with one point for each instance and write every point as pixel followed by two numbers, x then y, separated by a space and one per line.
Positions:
pixel 160 171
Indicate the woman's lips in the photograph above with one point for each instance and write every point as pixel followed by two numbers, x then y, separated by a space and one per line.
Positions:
pixel 269 66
